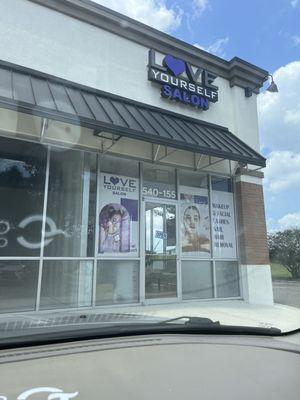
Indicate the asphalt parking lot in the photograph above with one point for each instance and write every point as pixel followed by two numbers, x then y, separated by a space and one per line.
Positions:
pixel 287 292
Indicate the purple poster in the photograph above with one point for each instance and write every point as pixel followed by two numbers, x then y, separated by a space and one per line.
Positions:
pixel 119 215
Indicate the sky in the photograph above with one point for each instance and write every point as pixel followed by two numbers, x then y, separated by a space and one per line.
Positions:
pixel 265 33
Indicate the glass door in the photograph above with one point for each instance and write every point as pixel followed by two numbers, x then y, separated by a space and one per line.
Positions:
pixel 160 251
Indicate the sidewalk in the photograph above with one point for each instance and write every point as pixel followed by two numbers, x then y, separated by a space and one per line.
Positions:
pixel 229 312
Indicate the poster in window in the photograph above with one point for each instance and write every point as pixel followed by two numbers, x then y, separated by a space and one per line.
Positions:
pixel 119 215
pixel 195 222
pixel 223 225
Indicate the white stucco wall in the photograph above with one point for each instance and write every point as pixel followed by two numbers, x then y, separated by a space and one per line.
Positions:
pixel 256 283
pixel 40 38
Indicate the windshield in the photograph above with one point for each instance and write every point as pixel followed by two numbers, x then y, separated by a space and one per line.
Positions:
pixel 149 167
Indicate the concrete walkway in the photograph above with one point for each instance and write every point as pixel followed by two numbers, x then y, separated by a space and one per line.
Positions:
pixel 230 312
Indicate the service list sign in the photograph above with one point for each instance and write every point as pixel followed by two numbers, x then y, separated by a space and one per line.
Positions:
pixel 223 225
pixel 182 82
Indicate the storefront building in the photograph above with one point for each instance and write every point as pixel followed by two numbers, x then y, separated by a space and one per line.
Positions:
pixel 129 165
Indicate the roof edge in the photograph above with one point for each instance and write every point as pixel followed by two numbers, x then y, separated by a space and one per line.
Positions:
pixel 42 75
pixel 238 71
pixel 22 106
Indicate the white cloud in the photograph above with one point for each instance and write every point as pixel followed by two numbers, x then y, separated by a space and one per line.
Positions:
pixel 296 40
pixel 291 220
pixel 294 3
pixel 272 225
pixel 279 113
pixel 279 121
pixel 200 5
pixel 282 171
pixel 217 47
pixel 154 13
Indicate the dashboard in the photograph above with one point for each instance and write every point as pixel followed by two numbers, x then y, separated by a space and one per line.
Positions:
pixel 158 367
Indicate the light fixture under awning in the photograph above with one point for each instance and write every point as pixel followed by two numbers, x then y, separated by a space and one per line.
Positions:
pixel 32 92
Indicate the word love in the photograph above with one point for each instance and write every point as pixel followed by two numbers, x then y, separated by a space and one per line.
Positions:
pixel 115 180
pixel 182 81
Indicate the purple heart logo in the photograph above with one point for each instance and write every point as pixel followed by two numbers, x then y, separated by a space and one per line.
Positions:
pixel 114 180
pixel 175 65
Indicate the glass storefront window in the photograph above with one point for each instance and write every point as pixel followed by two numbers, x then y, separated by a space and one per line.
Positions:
pixel 70 223
pixel 119 226
pixel 197 280
pixel 22 179
pixel 224 236
pixel 18 285
pixel 161 250
pixel 221 184
pixel 227 277
pixel 66 284
pixel 119 166
pixel 74 220
pixel 194 215
pixel 193 179
pixel 117 282
pixel 159 182
pixel 119 193
pixel 161 277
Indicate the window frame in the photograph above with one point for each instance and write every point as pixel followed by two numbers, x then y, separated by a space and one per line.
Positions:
pixel 140 258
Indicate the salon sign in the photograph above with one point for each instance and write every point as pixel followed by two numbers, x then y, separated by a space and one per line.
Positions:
pixel 182 82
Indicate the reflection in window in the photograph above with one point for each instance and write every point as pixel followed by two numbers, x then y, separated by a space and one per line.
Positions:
pixel 117 282
pixel 227 277
pixel 22 178
pixel 197 280
pixel 160 228
pixel 119 166
pixel 224 237
pixel 160 257
pixel 194 179
pixel 66 284
pixel 221 184
pixel 71 203
pixel 18 285
pixel 161 276
pixel 159 181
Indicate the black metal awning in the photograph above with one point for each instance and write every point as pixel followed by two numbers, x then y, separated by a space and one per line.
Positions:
pixel 39 94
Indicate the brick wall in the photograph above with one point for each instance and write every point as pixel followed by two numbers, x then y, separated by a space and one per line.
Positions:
pixel 251 220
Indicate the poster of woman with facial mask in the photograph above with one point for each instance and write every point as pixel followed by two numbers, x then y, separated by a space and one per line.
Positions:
pixel 195 223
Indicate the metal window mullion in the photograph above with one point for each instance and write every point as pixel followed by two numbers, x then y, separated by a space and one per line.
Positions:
pixel 97 209
pixel 212 238
pixel 8 258
pixel 85 197
pixel 233 183
pixel 142 236
pixel 178 238
pixel 164 207
pixel 68 259
pixel 108 258
pixel 38 294
pixel 237 240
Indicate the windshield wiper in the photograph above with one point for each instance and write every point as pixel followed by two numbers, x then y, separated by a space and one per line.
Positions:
pixel 180 325
pixel 201 325
pixel 191 321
